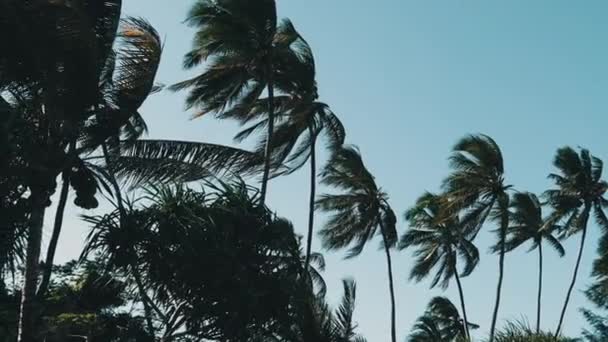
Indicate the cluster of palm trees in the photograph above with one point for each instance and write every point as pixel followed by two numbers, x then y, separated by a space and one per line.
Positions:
pixel 69 100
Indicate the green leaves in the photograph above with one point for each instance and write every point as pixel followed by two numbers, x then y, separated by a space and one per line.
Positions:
pixel 439 238
pixel 162 161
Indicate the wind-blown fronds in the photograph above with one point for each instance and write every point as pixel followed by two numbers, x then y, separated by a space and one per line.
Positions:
pixel 163 161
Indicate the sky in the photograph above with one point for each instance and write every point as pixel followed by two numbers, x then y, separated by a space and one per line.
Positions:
pixel 408 79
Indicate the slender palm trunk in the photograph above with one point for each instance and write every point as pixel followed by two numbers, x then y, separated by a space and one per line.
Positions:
pixel 268 149
pixel 578 263
pixel 50 253
pixel 464 309
pixel 540 286
pixel 311 205
pixel 26 331
pixel 390 285
pixel 123 213
pixel 63 198
pixel 501 267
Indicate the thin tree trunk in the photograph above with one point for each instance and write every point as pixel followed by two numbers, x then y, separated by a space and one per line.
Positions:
pixel 26 331
pixel 578 263
pixel 464 309
pixel 63 198
pixel 123 213
pixel 391 286
pixel 540 286
pixel 501 267
pixel 311 208
pixel 268 148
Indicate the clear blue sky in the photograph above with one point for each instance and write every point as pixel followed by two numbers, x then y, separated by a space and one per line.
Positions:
pixel 409 78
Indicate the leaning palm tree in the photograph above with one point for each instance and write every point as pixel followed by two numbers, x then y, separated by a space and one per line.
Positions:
pixel 437 234
pixel 527 224
pixel 477 188
pixel 246 51
pixel 580 192
pixel 359 212
pixel 300 121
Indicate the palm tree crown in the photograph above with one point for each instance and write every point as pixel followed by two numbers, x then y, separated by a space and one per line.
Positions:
pixel 440 241
pixel 359 210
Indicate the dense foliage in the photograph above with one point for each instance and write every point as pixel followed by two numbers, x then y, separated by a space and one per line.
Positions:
pixel 201 257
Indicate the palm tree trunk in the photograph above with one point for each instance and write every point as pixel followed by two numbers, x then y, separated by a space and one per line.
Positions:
pixel 464 309
pixel 578 263
pixel 390 285
pixel 540 286
pixel 26 331
pixel 268 148
pixel 501 268
pixel 63 198
pixel 311 208
pixel 123 213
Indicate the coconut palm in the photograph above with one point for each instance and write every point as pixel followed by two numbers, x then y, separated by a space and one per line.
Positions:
pixel 528 224
pixel 477 188
pixel 440 322
pixel 360 211
pixel 127 79
pixel 246 50
pixel 300 121
pixel 437 234
pixel 579 194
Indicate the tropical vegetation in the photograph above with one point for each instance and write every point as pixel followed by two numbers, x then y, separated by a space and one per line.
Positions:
pixel 189 249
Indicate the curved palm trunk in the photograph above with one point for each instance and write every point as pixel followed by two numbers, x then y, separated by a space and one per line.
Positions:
pixel 28 295
pixel 50 253
pixel 311 208
pixel 540 286
pixel 578 263
pixel 63 198
pixel 136 274
pixel 464 309
pixel 501 267
pixel 391 286
pixel 268 148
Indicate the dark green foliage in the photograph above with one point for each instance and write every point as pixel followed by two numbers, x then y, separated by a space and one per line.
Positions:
pixel 250 258
pixel 579 194
pixel 437 233
pixel 441 322
pixel 521 332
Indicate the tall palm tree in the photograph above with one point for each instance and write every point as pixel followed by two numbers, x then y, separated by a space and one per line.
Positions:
pixel 528 224
pixel 477 187
pixel 360 211
pixel 441 322
pixel 437 234
pixel 300 121
pixel 579 193
pixel 246 50
pixel 67 59
pixel 126 81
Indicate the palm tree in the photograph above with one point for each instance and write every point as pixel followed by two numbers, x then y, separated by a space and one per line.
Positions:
pixel 528 225
pixel 440 322
pixel 476 186
pixel 437 233
pixel 580 191
pixel 300 120
pixel 125 83
pixel 67 58
pixel 319 323
pixel 359 212
pixel 246 51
